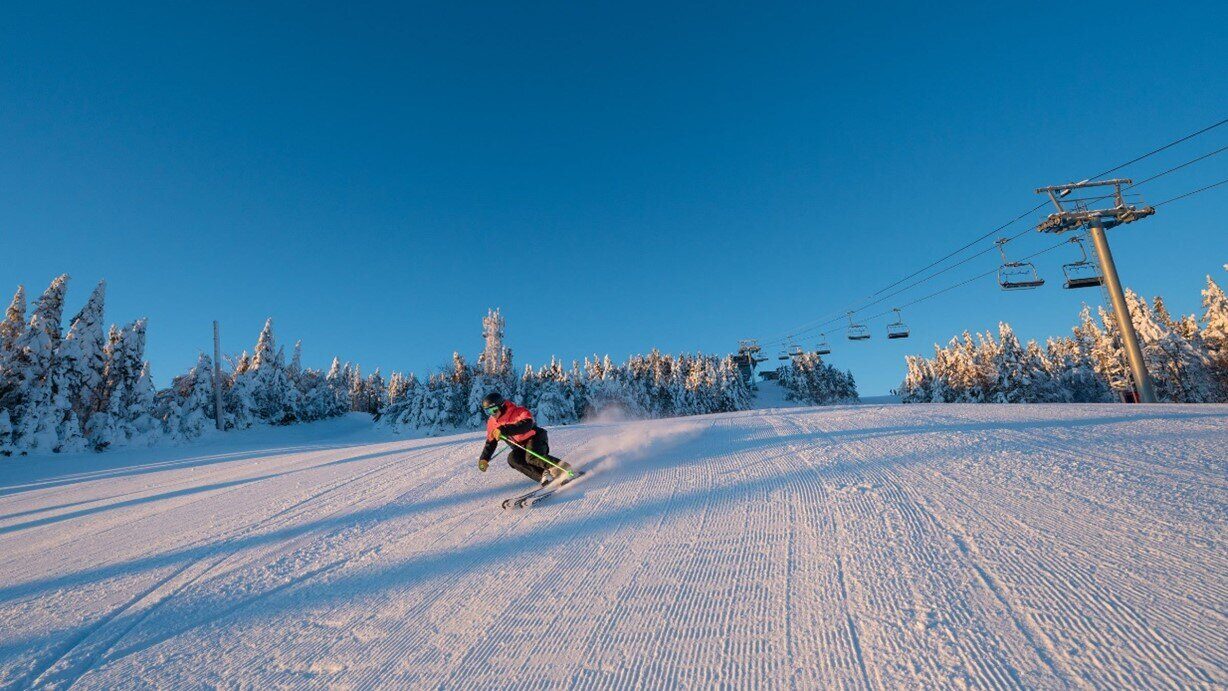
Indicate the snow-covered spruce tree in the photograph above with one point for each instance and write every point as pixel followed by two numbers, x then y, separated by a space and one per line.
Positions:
pixel 733 392
pixel 15 321
pixel 193 401
pixel 143 427
pixel 807 379
pixel 1022 373
pixel 6 433
pixel 554 403
pixel 119 417
pixel 1180 372
pixel 377 393
pixel 11 374
pixel 459 389
pixel 315 398
pixel 83 355
pixel 403 407
pixel 239 399
pixel 1214 334
pixel 637 380
pixel 1073 363
pixel 274 397
pixel 918 384
pixel 605 389
pixel 526 389
pixel 337 381
pixel 437 397
pixel 40 409
pixel 360 402
pixel 396 388
pixel 1109 357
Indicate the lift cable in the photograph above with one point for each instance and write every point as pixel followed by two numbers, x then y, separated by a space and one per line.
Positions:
pixel 1190 194
pixel 837 317
pixel 1174 169
pixel 965 282
pixel 844 316
pixel 1038 207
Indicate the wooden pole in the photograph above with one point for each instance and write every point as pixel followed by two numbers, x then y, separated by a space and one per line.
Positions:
pixel 217 376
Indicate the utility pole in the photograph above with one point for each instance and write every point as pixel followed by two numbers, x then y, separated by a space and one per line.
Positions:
pixel 1096 221
pixel 217 377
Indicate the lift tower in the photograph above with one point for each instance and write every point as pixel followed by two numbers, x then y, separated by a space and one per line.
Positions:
pixel 1097 221
pixel 748 358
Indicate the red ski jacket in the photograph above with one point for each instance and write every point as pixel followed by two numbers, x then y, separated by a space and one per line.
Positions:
pixel 520 418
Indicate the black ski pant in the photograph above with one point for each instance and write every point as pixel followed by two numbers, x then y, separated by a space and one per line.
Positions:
pixel 532 467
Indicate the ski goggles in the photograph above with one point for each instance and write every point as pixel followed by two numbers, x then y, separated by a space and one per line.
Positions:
pixel 492 410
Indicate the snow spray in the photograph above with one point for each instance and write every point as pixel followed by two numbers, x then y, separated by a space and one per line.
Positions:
pixel 635 441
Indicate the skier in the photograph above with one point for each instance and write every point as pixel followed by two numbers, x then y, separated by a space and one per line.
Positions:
pixel 508 420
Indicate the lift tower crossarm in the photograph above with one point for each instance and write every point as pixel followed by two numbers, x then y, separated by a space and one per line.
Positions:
pixel 1066 219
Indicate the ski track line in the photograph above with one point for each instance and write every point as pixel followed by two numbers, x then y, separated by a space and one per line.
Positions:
pixel 846 555
pixel 384 543
pixel 656 611
pixel 512 633
pixel 126 521
pixel 811 493
pixel 1151 652
pixel 249 529
pixel 1161 478
pixel 1174 558
pixel 584 604
pixel 494 623
pixel 885 652
pixel 62 663
pixel 99 638
pixel 1178 551
pixel 1003 674
pixel 66 666
pixel 620 586
pixel 981 653
pixel 285 552
pixel 1106 635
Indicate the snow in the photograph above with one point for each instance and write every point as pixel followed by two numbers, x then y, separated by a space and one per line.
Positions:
pixel 771 395
pixel 873 546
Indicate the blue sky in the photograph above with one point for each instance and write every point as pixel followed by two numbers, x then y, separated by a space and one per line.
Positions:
pixel 615 177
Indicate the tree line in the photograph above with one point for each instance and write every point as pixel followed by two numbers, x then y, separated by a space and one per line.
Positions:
pixel 90 387
pixel 647 386
pixel 1187 358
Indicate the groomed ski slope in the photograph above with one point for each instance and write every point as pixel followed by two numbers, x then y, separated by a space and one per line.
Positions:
pixel 1072 546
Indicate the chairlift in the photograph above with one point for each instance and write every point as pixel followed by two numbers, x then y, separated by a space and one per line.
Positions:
pixel 783 355
pixel 857 332
pixel 1021 275
pixel 795 351
pixel 822 348
pixel 897 328
pixel 1083 273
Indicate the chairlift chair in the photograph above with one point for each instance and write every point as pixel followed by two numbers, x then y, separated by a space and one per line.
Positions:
pixel 822 348
pixel 1083 273
pixel 795 351
pixel 1021 275
pixel 857 332
pixel 784 355
pixel 897 328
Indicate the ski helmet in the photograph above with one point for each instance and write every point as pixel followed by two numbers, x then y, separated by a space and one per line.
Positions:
pixel 492 400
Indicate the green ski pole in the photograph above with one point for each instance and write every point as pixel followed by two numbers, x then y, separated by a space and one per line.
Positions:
pixel 538 456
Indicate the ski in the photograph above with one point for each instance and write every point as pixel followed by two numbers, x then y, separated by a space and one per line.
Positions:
pixel 538 496
pixel 514 502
